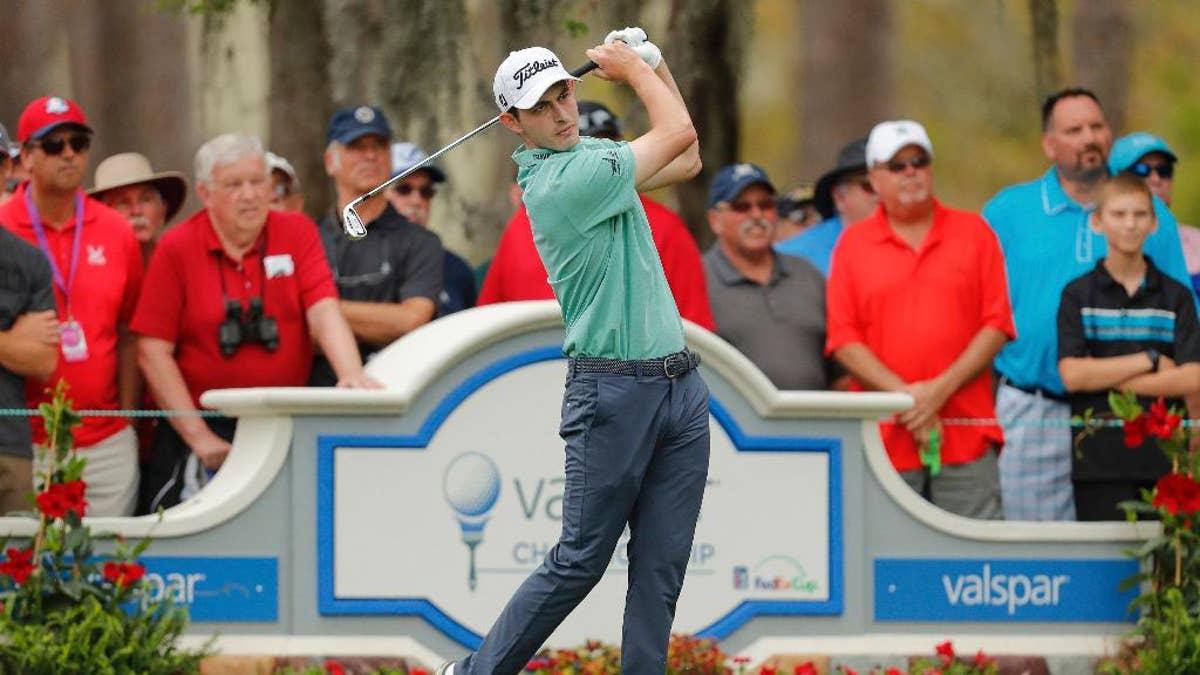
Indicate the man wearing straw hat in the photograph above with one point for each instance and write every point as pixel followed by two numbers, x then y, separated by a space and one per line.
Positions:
pixel 147 199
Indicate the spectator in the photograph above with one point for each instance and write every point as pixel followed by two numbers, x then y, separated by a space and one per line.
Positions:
pixel 390 285
pixel 769 305
pixel 918 304
pixel 97 270
pixel 235 295
pixel 412 198
pixel 1148 156
pixel 843 196
pixel 797 212
pixel 1126 326
pixel 148 200
pixel 28 351
pixel 1043 229
pixel 285 185
pixel 517 273
pixel 10 154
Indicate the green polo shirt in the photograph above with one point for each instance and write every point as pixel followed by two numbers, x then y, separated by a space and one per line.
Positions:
pixel 594 239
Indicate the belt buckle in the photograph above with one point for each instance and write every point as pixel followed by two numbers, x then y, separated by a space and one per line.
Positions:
pixel 675 358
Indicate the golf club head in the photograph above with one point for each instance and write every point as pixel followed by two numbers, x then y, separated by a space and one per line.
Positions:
pixel 352 223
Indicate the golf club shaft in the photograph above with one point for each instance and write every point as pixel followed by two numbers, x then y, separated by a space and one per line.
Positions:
pixel 578 72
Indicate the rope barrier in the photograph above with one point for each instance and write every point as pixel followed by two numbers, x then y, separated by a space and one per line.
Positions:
pixel 34 412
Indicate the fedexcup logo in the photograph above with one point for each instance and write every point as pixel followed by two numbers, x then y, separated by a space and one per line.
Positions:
pixel 471 485
pixel 532 68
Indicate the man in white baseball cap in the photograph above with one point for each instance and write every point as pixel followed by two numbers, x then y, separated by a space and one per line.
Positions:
pixel 918 303
pixel 647 465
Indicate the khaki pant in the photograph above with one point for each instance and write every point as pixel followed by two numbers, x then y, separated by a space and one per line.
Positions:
pixel 16 483
pixel 111 474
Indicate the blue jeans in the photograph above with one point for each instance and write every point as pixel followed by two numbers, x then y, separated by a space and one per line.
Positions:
pixel 636 452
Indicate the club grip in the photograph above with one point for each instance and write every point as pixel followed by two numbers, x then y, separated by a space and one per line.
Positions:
pixel 584 69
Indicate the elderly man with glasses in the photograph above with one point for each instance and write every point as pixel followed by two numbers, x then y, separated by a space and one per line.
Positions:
pixel 918 304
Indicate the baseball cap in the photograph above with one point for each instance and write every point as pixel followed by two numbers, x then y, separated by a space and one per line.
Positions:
pixel 888 138
pixel 278 163
pixel 732 179
pixel 792 200
pixel 406 155
pixel 7 147
pixel 852 157
pixel 1127 150
pixel 595 119
pixel 349 124
pixel 525 75
pixel 46 114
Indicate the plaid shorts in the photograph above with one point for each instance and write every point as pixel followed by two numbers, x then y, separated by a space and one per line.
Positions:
pixel 1035 466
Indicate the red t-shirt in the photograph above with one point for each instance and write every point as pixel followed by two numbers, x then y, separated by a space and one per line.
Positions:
pixel 184 302
pixel 108 278
pixel 517 273
pixel 917 310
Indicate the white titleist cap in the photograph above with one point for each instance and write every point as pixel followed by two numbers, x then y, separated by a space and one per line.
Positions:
pixel 525 75
pixel 888 138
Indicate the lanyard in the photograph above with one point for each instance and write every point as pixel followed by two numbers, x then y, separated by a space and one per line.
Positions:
pixel 40 231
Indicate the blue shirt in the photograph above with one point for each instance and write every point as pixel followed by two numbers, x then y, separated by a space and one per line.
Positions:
pixel 815 244
pixel 1047 242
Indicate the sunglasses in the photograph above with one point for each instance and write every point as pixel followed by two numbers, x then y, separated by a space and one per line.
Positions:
pixel 744 206
pixel 427 192
pixel 55 146
pixel 1144 170
pixel 900 165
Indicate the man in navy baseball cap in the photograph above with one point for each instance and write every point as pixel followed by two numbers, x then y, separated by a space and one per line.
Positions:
pixel 354 122
pixel 731 180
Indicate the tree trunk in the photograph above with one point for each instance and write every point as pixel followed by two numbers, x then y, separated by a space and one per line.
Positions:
pixel 1103 54
pixel 705 43
pixel 301 101
pixel 1047 60
pixel 847 76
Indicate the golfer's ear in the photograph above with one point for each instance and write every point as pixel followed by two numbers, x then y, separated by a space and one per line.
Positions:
pixel 511 122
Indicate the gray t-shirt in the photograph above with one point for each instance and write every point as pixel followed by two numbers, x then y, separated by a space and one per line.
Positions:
pixel 25 286
pixel 780 327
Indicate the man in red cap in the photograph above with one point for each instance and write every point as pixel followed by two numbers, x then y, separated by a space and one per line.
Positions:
pixel 97 270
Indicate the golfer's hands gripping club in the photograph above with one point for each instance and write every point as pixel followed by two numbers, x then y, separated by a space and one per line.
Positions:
pixel 617 62
pixel 636 38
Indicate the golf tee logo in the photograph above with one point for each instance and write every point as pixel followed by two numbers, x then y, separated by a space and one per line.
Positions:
pixel 527 71
pixel 471 486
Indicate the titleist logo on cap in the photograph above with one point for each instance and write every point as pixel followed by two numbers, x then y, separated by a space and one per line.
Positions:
pixel 532 68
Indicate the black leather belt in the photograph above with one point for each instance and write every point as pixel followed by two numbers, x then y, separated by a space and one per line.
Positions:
pixel 670 366
pixel 1034 391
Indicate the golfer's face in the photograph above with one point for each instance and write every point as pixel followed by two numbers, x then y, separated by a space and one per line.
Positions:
pixel 553 122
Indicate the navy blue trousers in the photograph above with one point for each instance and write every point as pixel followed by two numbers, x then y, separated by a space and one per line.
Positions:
pixel 636 453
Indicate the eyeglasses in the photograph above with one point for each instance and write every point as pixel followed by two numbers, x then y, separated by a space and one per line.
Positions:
pixel 744 206
pixel 55 146
pixel 900 165
pixel 1144 170
pixel 404 190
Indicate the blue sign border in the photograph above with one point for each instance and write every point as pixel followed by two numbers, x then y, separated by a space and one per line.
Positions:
pixel 328 604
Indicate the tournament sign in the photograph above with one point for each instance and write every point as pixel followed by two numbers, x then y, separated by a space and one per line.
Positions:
pixel 460 518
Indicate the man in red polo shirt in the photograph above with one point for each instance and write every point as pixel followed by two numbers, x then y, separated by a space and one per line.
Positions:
pixel 517 273
pixel 97 270
pixel 232 296
pixel 918 303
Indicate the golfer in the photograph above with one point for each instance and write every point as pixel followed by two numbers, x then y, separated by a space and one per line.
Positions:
pixel 635 411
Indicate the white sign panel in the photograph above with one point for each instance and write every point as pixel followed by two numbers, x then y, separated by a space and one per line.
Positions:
pixel 448 526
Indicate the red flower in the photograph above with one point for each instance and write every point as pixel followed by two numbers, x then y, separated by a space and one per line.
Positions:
pixel 418 671
pixel 1176 492
pixel 847 670
pixel 946 652
pixel 19 565
pixel 334 668
pixel 806 668
pixel 893 670
pixel 124 574
pixel 61 498
pixel 1160 423
pixel 983 660
pixel 767 669
pixel 1135 431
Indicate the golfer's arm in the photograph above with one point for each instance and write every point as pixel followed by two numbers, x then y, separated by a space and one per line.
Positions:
pixel 671 131
pixel 686 165
pixel 381 323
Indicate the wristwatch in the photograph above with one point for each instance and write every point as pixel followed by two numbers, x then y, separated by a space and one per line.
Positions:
pixel 1154 356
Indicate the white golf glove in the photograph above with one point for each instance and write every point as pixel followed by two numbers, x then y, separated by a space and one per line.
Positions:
pixel 636 38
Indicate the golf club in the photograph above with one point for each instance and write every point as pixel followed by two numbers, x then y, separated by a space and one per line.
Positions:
pixel 355 229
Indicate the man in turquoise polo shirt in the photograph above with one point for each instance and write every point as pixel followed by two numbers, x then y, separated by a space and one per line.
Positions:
pixel 635 411
pixel 1043 229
